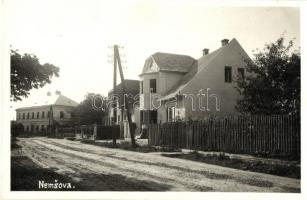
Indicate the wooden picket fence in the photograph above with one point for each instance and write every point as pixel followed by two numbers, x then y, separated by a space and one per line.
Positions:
pixel 277 135
pixel 105 132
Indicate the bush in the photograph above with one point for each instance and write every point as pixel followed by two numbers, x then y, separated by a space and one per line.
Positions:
pixel 16 129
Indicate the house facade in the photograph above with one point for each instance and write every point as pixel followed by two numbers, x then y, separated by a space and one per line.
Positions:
pixel 178 87
pixel 117 112
pixel 56 109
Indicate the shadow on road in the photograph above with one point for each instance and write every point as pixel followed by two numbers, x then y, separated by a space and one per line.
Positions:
pixel 25 176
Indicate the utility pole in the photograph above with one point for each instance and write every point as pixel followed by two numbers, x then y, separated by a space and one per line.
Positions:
pixel 118 61
pixel 114 92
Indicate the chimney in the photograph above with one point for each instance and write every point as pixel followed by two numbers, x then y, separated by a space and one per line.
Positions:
pixel 224 42
pixel 205 52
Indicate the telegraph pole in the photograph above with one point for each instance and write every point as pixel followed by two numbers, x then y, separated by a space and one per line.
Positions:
pixel 117 60
pixel 114 92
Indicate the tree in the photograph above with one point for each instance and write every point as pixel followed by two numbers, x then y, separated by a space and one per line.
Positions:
pixel 90 111
pixel 28 73
pixel 273 82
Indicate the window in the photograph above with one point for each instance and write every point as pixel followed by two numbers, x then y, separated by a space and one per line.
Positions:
pixel 241 74
pixel 48 114
pixel 19 116
pixel 43 114
pixel 142 86
pixel 228 77
pixel 23 115
pixel 32 115
pixel 170 113
pixel 28 116
pixel 37 115
pixel 153 85
pixel 28 129
pixel 61 114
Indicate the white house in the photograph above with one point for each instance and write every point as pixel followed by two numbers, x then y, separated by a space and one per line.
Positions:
pixel 179 87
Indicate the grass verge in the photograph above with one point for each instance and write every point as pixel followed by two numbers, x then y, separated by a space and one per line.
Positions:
pixel 290 170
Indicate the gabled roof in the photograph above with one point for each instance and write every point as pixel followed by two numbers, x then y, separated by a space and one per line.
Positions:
pixel 199 65
pixel 202 64
pixel 53 100
pixel 64 101
pixel 169 62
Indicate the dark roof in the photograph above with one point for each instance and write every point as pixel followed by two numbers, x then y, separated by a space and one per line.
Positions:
pixel 169 62
pixel 132 87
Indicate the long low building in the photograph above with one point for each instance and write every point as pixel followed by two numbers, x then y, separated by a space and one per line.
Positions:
pixel 56 109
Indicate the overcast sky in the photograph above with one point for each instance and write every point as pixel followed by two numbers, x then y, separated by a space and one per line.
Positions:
pixel 75 35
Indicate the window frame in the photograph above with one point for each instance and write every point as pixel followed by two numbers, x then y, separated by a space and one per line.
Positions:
pixel 171 114
pixel 228 74
pixel 153 89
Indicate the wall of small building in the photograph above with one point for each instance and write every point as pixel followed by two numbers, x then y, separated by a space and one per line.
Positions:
pixel 43 121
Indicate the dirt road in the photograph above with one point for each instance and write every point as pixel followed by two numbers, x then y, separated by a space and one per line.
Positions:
pixel 100 168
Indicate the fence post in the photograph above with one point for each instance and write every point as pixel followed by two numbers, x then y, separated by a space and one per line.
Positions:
pixel 82 131
pixel 95 132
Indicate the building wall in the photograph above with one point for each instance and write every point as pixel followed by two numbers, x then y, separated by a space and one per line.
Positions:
pixel 216 97
pixel 212 79
pixel 40 121
pixel 165 81
pixel 145 96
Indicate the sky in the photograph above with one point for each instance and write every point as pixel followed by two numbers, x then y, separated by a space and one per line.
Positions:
pixel 77 35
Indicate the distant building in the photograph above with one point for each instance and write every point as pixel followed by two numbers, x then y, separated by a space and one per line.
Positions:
pixel 117 112
pixel 169 82
pixel 36 119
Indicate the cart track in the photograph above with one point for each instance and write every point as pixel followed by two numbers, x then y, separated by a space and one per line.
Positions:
pixel 96 166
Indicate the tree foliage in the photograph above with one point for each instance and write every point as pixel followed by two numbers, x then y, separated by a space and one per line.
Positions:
pixel 272 85
pixel 28 73
pixel 88 113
